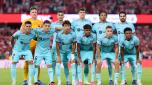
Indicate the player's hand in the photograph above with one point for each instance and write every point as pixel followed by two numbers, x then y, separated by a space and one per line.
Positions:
pixel 117 62
pixel 94 61
pixel 58 60
pixel 121 62
pixel 79 61
pixel 138 61
pixel 72 58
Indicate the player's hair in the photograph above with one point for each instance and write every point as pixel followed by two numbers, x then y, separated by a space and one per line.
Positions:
pixel 82 9
pixel 46 22
pixel 66 22
pixel 87 26
pixel 127 29
pixel 33 8
pixel 27 22
pixel 109 27
pixel 122 12
pixel 103 12
pixel 60 12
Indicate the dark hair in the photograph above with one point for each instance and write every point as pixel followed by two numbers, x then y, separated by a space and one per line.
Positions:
pixel 82 9
pixel 27 22
pixel 127 29
pixel 66 22
pixel 87 26
pixel 122 12
pixel 46 22
pixel 102 12
pixel 60 12
pixel 33 8
pixel 109 27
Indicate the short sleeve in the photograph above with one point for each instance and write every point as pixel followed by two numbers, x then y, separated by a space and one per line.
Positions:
pixel 137 41
pixel 16 34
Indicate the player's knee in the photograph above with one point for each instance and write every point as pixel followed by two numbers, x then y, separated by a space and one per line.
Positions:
pixel 49 66
pixel 37 66
pixel 30 62
pixel 86 62
pixel 14 62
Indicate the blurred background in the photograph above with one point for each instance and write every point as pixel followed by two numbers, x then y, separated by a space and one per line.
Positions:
pixel 11 16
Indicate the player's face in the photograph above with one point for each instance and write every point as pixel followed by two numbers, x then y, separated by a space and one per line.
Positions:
pixel 122 17
pixel 60 16
pixel 128 34
pixel 27 28
pixel 82 14
pixel 109 32
pixel 87 32
pixel 66 27
pixel 103 16
pixel 46 27
pixel 33 13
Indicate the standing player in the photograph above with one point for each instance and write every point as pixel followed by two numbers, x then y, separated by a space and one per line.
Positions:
pixel 107 49
pixel 77 26
pixel 86 46
pixel 43 50
pixel 35 24
pixel 130 52
pixel 100 27
pixel 22 40
pixel 65 46
pixel 120 31
pixel 57 26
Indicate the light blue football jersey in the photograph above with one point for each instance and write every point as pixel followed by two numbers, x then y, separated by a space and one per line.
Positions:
pixel 77 25
pixel 65 41
pixel 43 40
pixel 120 29
pixel 100 28
pixel 129 46
pixel 54 26
pixel 107 44
pixel 22 40
pixel 86 43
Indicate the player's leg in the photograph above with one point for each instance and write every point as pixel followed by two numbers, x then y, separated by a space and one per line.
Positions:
pixel 91 63
pixel 48 62
pixel 15 59
pixel 123 71
pixel 37 61
pixel 109 62
pixel 73 67
pixel 139 71
pixel 29 58
pixel 65 60
pixel 98 73
pixel 53 53
pixel 132 61
pixel 85 60
pixel 117 68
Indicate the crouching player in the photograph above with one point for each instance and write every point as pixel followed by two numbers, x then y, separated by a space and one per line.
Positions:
pixel 107 49
pixel 130 53
pixel 86 46
pixel 65 46
pixel 22 39
pixel 43 50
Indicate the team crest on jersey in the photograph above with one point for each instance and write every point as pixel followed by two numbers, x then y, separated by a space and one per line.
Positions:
pixel 78 29
pixel 100 32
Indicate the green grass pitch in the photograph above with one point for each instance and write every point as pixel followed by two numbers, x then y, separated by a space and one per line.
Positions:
pixel 5 77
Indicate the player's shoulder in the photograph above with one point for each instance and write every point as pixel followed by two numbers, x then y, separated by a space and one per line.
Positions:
pixel 135 38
